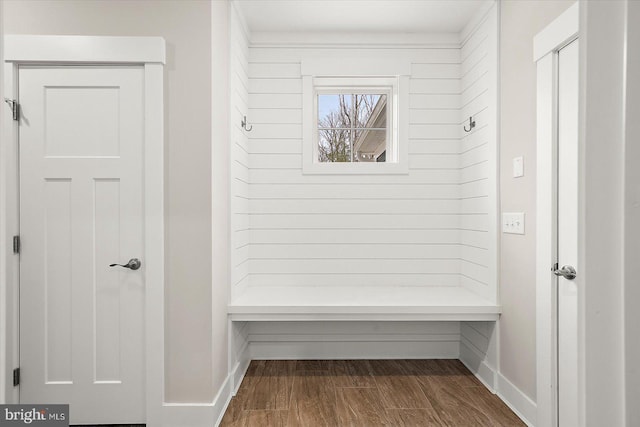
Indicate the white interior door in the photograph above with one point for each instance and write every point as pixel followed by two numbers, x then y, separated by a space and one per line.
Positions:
pixel 568 235
pixel 81 209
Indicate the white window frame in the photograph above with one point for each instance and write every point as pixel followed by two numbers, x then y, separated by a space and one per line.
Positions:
pixel 329 77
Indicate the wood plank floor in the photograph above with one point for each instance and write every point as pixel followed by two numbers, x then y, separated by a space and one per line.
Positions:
pixel 364 393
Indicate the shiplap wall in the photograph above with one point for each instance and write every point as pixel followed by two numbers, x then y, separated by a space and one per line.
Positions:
pixel 353 340
pixel 478 350
pixel 478 154
pixel 354 230
pixel 478 162
pixel 431 227
pixel 239 98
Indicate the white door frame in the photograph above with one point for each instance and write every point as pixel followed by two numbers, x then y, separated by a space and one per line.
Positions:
pixel 74 50
pixel 547 44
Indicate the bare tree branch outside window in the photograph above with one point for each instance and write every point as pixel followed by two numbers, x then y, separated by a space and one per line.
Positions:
pixel 344 123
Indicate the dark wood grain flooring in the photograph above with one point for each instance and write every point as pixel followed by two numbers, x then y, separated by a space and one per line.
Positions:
pixel 367 393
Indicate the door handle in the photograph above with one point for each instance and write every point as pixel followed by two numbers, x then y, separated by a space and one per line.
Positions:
pixel 567 271
pixel 133 264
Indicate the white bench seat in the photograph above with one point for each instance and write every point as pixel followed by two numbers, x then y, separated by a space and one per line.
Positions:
pixel 408 303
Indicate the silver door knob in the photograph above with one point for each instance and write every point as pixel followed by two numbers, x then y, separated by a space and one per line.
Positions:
pixel 133 264
pixel 566 271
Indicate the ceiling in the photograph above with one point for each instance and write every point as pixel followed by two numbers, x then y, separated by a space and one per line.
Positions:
pixel 356 16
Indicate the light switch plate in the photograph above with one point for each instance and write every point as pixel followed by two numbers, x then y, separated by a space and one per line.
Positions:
pixel 518 167
pixel 513 223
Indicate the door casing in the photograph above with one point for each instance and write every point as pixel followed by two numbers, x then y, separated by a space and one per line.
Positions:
pixel 547 44
pixel 90 50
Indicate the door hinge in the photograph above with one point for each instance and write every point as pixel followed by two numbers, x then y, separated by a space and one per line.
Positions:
pixel 15 108
pixel 16 244
pixel 16 377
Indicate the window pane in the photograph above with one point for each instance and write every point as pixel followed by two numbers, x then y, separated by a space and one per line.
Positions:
pixel 334 145
pixel 371 111
pixel 369 145
pixel 334 111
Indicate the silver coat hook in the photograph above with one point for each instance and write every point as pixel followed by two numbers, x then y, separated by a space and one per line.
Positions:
pixel 472 124
pixel 244 124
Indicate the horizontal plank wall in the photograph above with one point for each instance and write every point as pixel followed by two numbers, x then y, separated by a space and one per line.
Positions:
pixel 386 230
pixel 353 340
pixel 239 93
pixel 434 226
pixel 478 154
pixel 479 49
pixel 478 350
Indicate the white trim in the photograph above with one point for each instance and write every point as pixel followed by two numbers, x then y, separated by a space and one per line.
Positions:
pixel 546 46
pixel 201 414
pixel 491 314
pixel 149 51
pixel 84 49
pixel 237 14
pixel 514 398
pixel 342 40
pixel 154 237
pixel 546 249
pixel 397 89
pixel 3 238
pixel 476 22
pixel 476 362
pixel 9 213
pixel 558 33
pixel 240 368
pixel 493 130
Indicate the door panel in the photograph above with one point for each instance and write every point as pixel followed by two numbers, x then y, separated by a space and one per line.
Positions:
pixel 81 195
pixel 568 235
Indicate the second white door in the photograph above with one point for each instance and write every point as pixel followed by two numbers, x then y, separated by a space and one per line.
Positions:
pixel 81 209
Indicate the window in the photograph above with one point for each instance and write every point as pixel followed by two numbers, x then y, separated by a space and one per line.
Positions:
pixel 352 125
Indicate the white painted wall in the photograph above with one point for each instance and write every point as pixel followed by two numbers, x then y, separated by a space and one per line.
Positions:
pixel 220 262
pixel 602 197
pixel 632 215
pixel 520 21
pixel 186 26
pixel 5 347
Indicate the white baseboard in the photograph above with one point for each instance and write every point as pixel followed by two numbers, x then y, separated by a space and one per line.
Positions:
pixel 511 395
pixel 477 365
pixel 515 399
pixel 286 348
pixel 199 414
pixel 240 368
pixel 273 350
